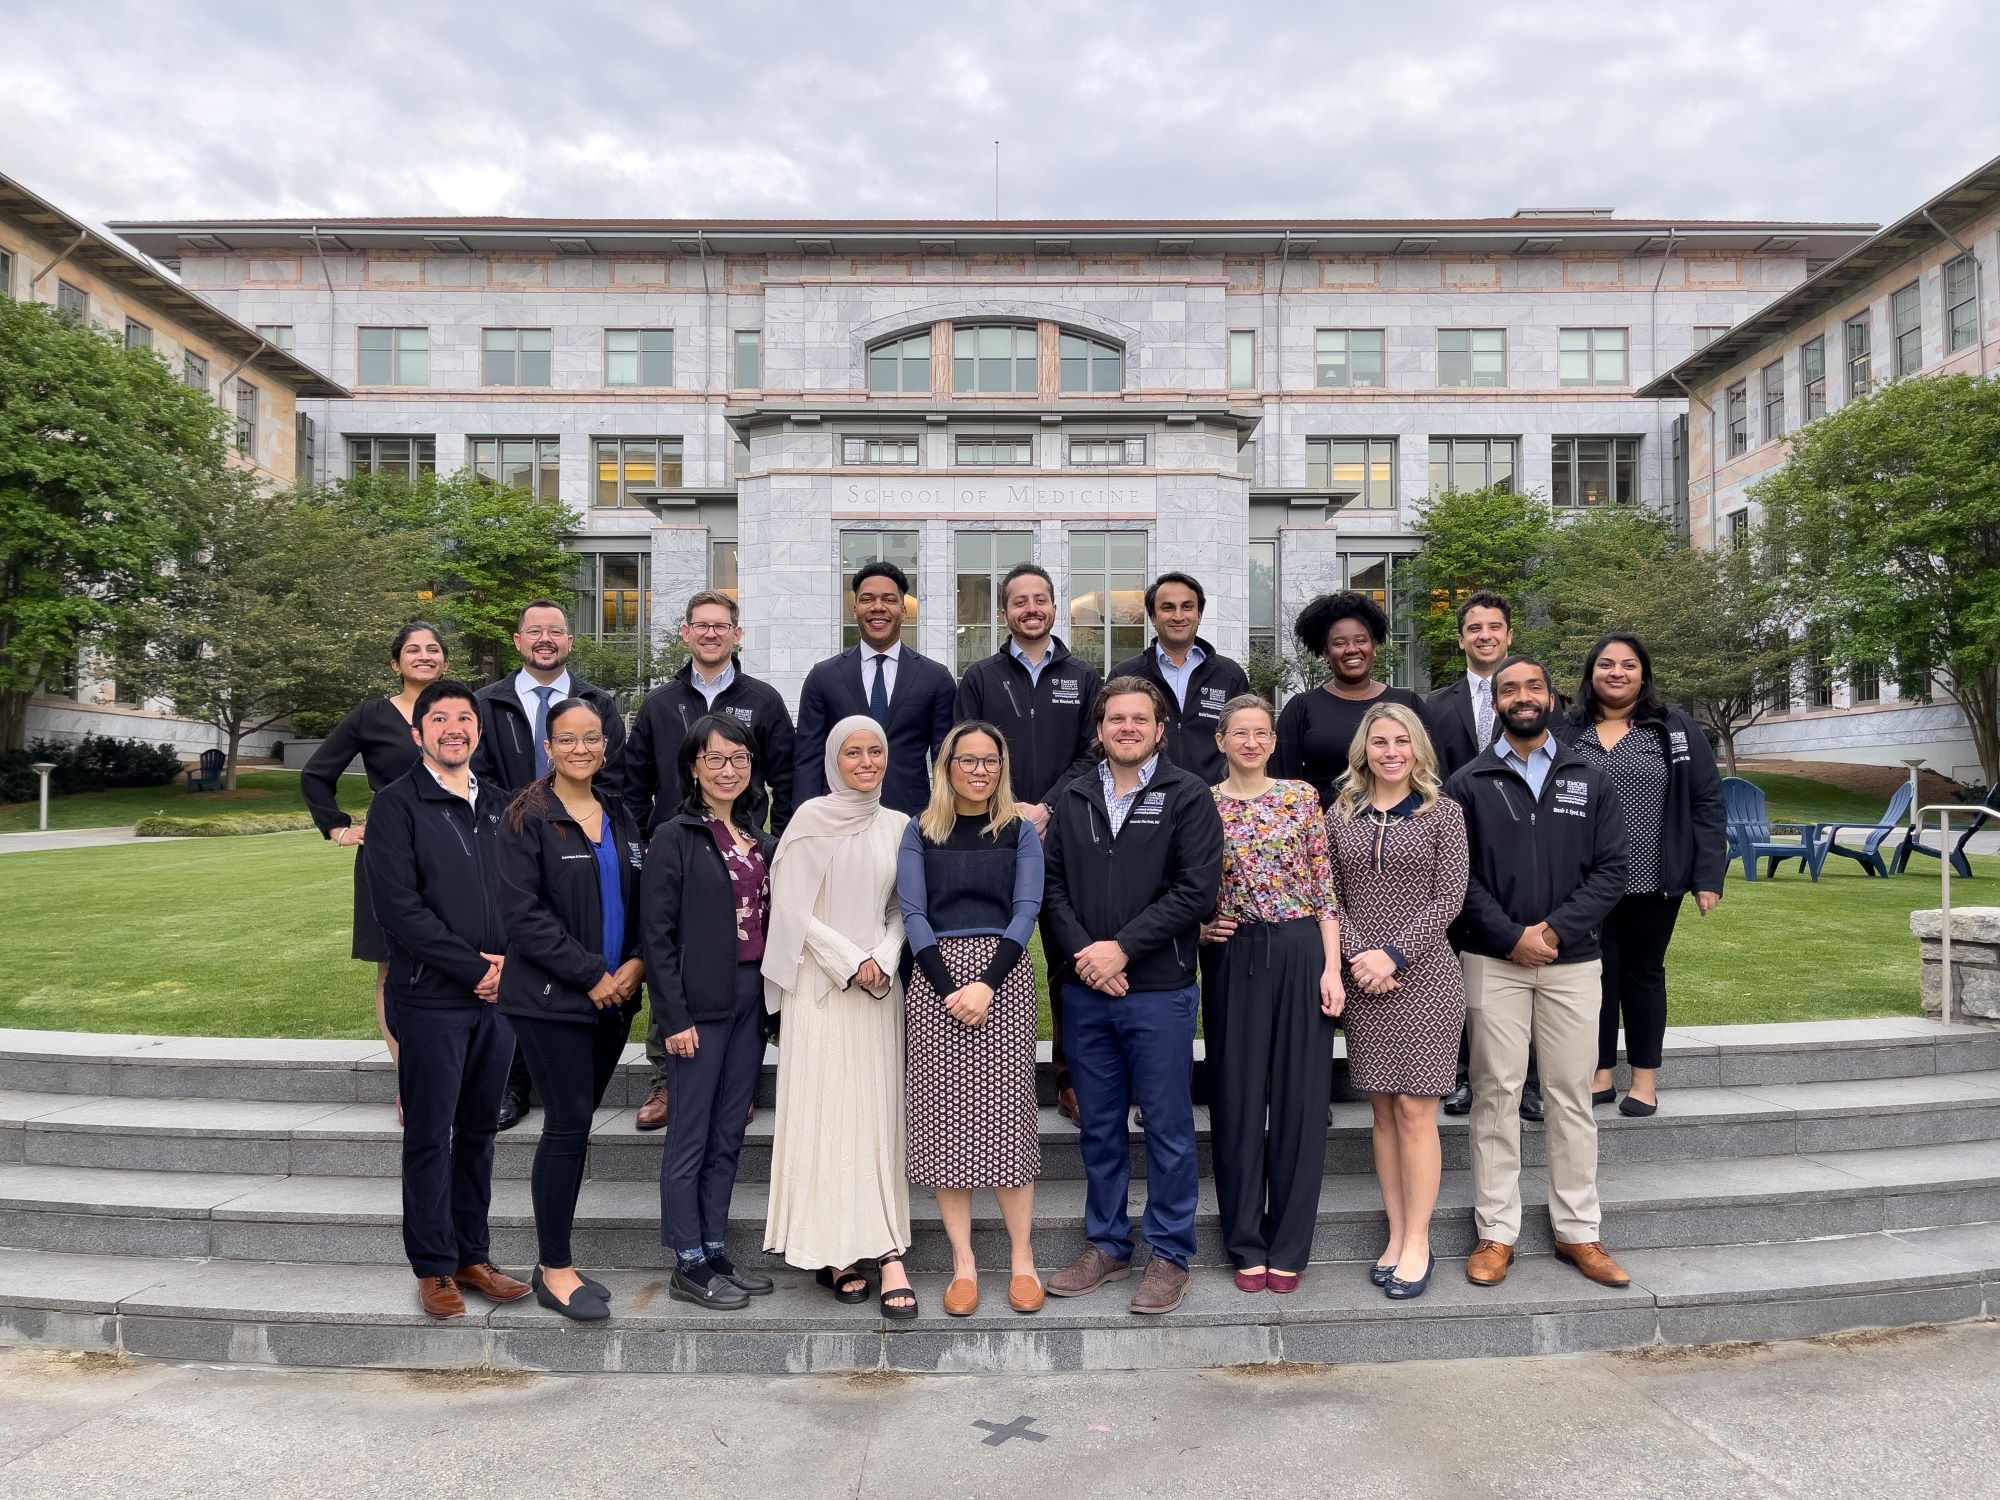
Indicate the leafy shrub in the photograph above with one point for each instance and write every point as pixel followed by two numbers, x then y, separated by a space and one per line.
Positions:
pixel 314 724
pixel 181 828
pixel 94 763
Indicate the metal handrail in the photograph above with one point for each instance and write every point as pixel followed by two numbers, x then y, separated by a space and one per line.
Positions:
pixel 1944 810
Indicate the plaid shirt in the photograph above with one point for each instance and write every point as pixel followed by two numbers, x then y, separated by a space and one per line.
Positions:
pixel 1115 806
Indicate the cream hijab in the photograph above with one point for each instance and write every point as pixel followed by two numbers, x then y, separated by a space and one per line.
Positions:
pixel 820 833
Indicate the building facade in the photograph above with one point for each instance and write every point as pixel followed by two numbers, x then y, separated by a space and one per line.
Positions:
pixel 1917 299
pixel 47 256
pixel 760 406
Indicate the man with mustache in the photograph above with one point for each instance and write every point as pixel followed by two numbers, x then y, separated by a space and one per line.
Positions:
pixel 1547 843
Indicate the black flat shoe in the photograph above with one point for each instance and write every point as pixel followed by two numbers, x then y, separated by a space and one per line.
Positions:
pixel 755 1283
pixel 717 1292
pixel 1379 1274
pixel 1638 1109
pixel 1405 1291
pixel 584 1305
pixel 849 1286
pixel 1604 1096
pixel 1459 1100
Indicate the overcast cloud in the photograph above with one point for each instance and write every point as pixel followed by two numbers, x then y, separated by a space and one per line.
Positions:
pixel 1826 111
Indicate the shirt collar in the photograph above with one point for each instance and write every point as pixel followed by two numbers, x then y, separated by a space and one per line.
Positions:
pixel 1145 772
pixel 893 651
pixel 715 684
pixel 1195 657
pixel 1048 653
pixel 525 686
pixel 1546 750
pixel 471 783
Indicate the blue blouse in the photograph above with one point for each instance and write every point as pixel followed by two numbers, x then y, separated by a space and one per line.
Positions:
pixel 610 894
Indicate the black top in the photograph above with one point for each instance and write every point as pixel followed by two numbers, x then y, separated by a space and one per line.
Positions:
pixel 433 873
pixel 920 710
pixel 1316 730
pixel 375 730
pixel 1046 721
pixel 973 884
pixel 653 790
pixel 553 908
pixel 1191 726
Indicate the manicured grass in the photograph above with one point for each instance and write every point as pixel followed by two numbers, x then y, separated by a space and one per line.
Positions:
pixel 256 792
pixel 249 937
pixel 1800 799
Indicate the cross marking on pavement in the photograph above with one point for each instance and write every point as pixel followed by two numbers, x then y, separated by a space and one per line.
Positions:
pixel 998 1432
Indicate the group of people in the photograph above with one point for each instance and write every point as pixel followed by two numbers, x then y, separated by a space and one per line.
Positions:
pixel 1460 885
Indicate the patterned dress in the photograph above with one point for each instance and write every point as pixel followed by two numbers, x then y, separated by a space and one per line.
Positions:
pixel 1401 877
pixel 1637 766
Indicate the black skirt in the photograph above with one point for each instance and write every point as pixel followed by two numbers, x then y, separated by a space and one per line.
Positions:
pixel 371 943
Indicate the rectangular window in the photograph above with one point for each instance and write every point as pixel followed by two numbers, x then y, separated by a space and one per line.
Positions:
pixel 247 402
pixel 722 565
pixel 881 450
pixel 749 359
pixel 194 372
pixel 1774 401
pixel 902 365
pixel 531 464
pixel 1961 303
pixel 740 452
pixel 1590 471
pixel 1348 357
pixel 858 547
pixel 1378 575
pixel 1116 450
pixel 137 335
pixel 1913 680
pixel 993 451
pixel 1906 323
pixel 1738 401
pixel 1246 459
pixel 614 597
pixel 1864 683
pixel 980 560
pixel 1242 360
pixel 1264 598
pixel 1472 464
pixel 402 457
pixel 1472 356
pixel 1089 364
pixel 278 334
pixel 1859 341
pixel 514 356
pixel 992 360
pixel 1778 689
pixel 1812 379
pixel 72 301
pixel 395 356
pixel 7 274
pixel 632 356
pixel 626 467
pixel 1739 530
pixel 1107 596
pixel 1364 467
pixel 1592 356
pixel 1707 333
pixel 1819 671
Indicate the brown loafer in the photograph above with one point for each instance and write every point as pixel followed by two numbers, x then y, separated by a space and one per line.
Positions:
pixel 1066 1106
pixel 1025 1294
pixel 1488 1263
pixel 1595 1262
pixel 1087 1273
pixel 492 1283
pixel 653 1113
pixel 438 1296
pixel 1161 1288
pixel 961 1298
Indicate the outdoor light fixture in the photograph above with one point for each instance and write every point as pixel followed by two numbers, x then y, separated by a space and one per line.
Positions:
pixel 42 768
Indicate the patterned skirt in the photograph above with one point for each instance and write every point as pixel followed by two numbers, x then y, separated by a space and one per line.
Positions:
pixel 971 1089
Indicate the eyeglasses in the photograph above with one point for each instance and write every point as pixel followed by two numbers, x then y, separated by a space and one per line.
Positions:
pixel 710 761
pixel 542 633
pixel 976 762
pixel 571 741
pixel 705 627
pixel 1251 736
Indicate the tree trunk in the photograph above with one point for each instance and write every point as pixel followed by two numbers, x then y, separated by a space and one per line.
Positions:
pixel 235 744
pixel 13 720
pixel 1726 732
pixel 1977 695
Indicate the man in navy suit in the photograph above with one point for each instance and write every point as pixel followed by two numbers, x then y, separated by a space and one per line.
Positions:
pixel 909 695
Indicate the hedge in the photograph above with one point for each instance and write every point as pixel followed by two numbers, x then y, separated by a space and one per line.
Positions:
pixel 198 828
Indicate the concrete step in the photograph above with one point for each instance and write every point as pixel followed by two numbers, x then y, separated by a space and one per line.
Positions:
pixel 363 1140
pixel 337 1315
pixel 284 1070
pixel 1647 1205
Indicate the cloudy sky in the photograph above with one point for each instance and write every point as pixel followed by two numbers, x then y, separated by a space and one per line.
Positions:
pixel 1833 110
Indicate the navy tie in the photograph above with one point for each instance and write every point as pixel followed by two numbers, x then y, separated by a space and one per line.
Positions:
pixel 878 695
pixel 542 695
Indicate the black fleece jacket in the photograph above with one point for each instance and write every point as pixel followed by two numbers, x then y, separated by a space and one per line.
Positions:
pixel 1045 721
pixel 432 871
pixel 689 923
pixel 1693 850
pixel 652 780
pixel 505 759
pixel 1191 726
pixel 554 910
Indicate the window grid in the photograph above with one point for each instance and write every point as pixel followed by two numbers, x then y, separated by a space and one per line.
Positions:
pixel 614 597
pixel 1819 672
pixel 1107 596
pixel 402 457
pixel 858 547
pixel 1593 471
pixel 993 452
pixel 1242 360
pixel 1858 343
pixel 1107 450
pixel 981 559
pixel 1088 365
pixel 72 301
pixel 395 356
pixel 749 359
pixel 901 365
pixel 247 403
pixel 1707 333
pixel 1739 530
pixel 1348 357
pixel 531 464
pixel 277 334
pixel 1864 683
pixel 1264 598
pixel 1906 321
pixel 722 556
pixel 886 451
pixel 1774 401
pixel 1739 418
pixel 1812 379
pixel 514 356
pixel 1472 463
pixel 1472 357
pixel 628 464
pixel 1592 356
pixel 1378 575
pixel 194 372
pixel 993 359
pixel 1365 466
pixel 637 356
pixel 1961 303
pixel 137 335
pixel 7 274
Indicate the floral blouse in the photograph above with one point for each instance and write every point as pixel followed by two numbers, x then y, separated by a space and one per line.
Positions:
pixel 750 880
pixel 1274 859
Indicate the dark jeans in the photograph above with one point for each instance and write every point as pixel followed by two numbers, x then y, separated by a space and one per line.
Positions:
pixel 519 1080
pixel 1125 1049
pixel 1635 941
pixel 708 1109
pixel 1062 974
pixel 572 1063
pixel 450 1066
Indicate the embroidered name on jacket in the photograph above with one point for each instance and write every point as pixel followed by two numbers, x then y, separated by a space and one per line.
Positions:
pixel 1210 706
pixel 737 712
pixel 1149 808
pixel 1065 690
pixel 1572 797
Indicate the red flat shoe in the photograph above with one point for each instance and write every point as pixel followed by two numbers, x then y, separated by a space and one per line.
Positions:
pixel 1252 1281
pixel 1281 1281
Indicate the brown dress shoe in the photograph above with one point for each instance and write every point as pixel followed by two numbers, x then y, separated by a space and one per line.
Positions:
pixel 492 1283
pixel 1087 1273
pixel 1066 1106
pixel 1595 1262
pixel 1488 1263
pixel 1161 1288
pixel 961 1298
pixel 1024 1294
pixel 438 1296
pixel 653 1113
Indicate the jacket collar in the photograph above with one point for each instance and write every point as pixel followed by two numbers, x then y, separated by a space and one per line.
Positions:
pixel 686 673
pixel 1058 652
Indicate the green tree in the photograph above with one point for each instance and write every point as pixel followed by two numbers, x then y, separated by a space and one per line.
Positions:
pixel 283 608
pixel 1884 524
pixel 475 552
pixel 103 456
pixel 627 669
pixel 1478 539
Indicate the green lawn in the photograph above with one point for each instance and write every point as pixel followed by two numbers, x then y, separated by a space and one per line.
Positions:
pixel 1800 799
pixel 256 792
pixel 248 937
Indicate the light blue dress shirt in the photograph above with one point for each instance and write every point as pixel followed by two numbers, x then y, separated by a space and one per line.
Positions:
pixel 1535 767
pixel 1175 677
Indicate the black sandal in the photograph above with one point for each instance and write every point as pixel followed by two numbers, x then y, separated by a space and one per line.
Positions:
pixel 848 1286
pixel 905 1307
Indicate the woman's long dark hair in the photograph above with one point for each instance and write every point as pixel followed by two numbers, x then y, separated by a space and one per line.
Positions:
pixel 694 743
pixel 1651 707
pixel 532 801
pixel 403 639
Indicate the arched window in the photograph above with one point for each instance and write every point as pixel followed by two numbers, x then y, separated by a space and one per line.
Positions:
pixel 1091 364
pixel 901 364
pixel 993 357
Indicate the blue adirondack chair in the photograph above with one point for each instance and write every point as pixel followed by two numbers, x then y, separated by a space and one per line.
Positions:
pixel 1868 854
pixel 1752 835
pixel 1913 841
pixel 207 776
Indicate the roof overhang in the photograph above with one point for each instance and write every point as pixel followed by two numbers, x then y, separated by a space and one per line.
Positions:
pixel 745 420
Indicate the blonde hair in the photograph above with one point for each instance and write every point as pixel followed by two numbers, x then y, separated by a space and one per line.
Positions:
pixel 1358 784
pixel 936 820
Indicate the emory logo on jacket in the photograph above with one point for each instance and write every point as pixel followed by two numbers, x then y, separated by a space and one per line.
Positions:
pixel 1149 808
pixel 746 715
pixel 1572 797
pixel 1210 705
pixel 1065 690
pixel 1677 746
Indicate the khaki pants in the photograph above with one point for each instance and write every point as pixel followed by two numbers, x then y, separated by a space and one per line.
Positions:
pixel 1556 1006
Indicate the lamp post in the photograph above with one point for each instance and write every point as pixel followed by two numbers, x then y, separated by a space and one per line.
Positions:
pixel 42 768
pixel 1915 763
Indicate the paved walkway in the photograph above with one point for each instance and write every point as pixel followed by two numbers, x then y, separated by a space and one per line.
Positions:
pixel 1867 1416
pixel 71 838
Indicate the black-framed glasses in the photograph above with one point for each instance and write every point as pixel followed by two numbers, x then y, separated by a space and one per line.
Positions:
pixel 976 762
pixel 710 761
pixel 571 741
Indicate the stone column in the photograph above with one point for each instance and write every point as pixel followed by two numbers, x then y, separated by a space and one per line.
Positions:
pixel 1975 961
pixel 680 570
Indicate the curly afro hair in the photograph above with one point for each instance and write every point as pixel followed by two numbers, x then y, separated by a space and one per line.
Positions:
pixel 1316 621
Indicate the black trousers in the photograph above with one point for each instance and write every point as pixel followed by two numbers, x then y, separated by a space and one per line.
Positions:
pixel 1062 971
pixel 519 1079
pixel 450 1066
pixel 1276 1066
pixel 572 1063
pixel 708 1110
pixel 1635 941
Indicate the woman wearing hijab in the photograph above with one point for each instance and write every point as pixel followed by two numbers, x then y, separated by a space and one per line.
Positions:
pixel 839 1192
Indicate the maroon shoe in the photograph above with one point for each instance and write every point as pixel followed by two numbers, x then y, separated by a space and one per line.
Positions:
pixel 1252 1281
pixel 1281 1281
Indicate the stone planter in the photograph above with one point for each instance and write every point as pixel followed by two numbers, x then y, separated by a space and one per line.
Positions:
pixel 1975 960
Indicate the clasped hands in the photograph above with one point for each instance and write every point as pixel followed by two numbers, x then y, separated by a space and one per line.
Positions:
pixel 620 985
pixel 1102 967
pixel 1535 947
